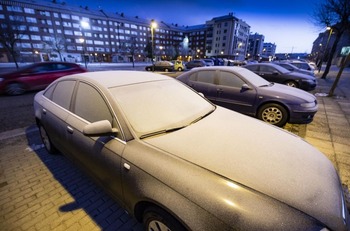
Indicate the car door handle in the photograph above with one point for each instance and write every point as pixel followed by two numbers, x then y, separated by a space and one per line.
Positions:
pixel 70 130
pixel 126 166
pixel 219 90
pixel 44 111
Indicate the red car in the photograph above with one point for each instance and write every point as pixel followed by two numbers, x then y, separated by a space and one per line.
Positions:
pixel 36 76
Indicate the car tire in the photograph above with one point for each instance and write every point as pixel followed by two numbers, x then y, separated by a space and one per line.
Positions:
pixel 273 114
pixel 179 69
pixel 292 84
pixel 15 89
pixel 148 69
pixel 166 70
pixel 155 218
pixel 46 140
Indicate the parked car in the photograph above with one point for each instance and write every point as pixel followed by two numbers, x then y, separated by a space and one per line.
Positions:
pixel 303 65
pixel 195 63
pixel 176 161
pixel 178 65
pixel 291 67
pixel 275 73
pixel 36 76
pixel 243 91
pixel 209 62
pixel 160 66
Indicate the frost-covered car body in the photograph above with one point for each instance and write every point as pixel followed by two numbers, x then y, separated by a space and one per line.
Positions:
pixel 277 74
pixel 291 67
pixel 171 158
pixel 241 90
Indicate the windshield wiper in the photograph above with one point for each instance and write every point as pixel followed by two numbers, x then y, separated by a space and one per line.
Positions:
pixel 201 117
pixel 161 132
pixel 267 85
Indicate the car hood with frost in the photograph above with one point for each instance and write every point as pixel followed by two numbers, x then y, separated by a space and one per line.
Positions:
pixel 267 159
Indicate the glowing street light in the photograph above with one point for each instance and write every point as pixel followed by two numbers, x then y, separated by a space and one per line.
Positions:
pixel 84 25
pixel 153 27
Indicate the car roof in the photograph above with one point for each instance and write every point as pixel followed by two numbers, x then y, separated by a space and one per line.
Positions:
pixel 221 68
pixel 118 78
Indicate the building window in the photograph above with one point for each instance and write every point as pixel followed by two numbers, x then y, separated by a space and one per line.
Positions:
pixel 29 11
pixel 66 16
pixel 74 17
pixel 33 28
pixel 17 18
pixel 31 20
pixel 35 37
pixel 14 8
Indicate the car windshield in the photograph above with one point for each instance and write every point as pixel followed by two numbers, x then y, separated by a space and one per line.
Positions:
pixel 160 106
pixel 253 78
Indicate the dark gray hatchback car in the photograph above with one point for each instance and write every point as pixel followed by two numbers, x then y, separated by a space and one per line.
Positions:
pixel 275 73
pixel 243 91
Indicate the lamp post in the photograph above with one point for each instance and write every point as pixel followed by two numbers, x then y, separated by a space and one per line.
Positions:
pixel 153 26
pixel 84 25
pixel 329 37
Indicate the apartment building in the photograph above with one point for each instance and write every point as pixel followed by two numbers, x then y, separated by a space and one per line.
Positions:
pixel 269 50
pixel 255 46
pixel 227 36
pixel 48 30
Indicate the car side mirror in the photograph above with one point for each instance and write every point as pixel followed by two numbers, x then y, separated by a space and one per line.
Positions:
pixel 245 87
pixel 201 94
pixel 99 128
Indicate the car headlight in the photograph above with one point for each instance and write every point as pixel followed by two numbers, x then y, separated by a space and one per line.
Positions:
pixel 310 104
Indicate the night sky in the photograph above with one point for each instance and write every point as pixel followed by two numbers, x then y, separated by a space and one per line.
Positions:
pixel 288 24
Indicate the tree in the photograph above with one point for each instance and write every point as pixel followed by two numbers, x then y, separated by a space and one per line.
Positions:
pixel 334 14
pixel 10 35
pixel 56 44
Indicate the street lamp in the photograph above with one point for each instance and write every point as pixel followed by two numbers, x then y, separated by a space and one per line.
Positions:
pixel 84 25
pixel 153 27
pixel 329 37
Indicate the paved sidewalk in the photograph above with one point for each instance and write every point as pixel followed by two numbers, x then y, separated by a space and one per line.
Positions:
pixel 330 130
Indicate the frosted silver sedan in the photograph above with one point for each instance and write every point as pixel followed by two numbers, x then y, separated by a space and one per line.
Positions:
pixel 177 162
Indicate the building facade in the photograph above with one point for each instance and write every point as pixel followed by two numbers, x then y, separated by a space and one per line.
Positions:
pixel 56 31
pixel 255 46
pixel 227 36
pixel 269 50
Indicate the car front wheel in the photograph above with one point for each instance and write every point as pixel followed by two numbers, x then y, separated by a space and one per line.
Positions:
pixel 291 84
pixel 179 69
pixel 273 114
pixel 156 219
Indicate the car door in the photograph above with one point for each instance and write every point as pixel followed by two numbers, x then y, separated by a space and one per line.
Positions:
pixel 55 111
pixel 100 156
pixel 270 73
pixel 203 82
pixel 232 95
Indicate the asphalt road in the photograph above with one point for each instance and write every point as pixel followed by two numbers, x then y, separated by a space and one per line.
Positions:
pixel 17 111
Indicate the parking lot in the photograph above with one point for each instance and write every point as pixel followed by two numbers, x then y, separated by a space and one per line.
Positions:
pixel 39 191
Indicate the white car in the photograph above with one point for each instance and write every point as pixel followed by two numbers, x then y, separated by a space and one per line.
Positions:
pixel 177 162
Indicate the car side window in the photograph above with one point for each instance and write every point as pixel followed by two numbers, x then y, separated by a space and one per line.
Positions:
pixel 230 80
pixel 206 77
pixel 63 92
pixel 267 69
pixel 90 105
